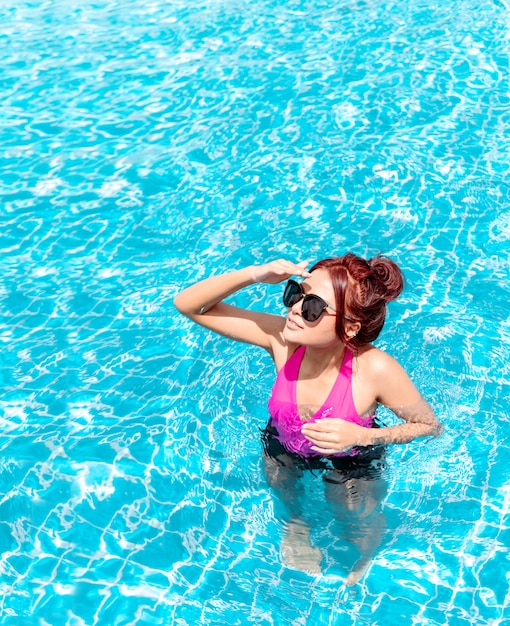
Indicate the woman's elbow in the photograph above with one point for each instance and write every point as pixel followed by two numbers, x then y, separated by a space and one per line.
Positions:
pixel 433 426
pixel 182 306
pixel 436 429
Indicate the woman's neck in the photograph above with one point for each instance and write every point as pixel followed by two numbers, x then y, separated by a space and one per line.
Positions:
pixel 321 360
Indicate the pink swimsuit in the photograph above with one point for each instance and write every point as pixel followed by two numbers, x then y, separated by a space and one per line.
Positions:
pixel 284 411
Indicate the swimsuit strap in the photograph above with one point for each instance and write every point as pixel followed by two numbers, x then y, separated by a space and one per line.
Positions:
pixel 294 363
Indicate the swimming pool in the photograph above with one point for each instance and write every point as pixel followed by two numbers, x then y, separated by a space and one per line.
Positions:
pixel 147 143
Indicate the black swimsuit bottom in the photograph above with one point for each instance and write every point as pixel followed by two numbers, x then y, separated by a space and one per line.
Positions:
pixel 368 463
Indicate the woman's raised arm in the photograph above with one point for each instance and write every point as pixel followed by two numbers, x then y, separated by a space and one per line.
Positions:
pixel 203 303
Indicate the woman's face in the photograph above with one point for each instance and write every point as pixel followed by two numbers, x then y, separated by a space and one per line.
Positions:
pixel 320 333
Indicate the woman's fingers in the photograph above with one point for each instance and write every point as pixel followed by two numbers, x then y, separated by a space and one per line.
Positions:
pixel 283 266
pixel 276 271
pixel 302 271
pixel 327 451
pixel 332 434
pixel 324 430
pixel 320 437
pixel 324 424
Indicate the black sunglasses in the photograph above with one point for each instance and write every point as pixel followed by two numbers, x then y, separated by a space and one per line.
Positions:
pixel 313 306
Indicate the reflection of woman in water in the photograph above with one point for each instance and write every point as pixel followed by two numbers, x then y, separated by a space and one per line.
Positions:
pixel 329 383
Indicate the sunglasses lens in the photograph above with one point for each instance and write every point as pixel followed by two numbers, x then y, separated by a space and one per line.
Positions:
pixel 292 293
pixel 313 306
pixel 312 309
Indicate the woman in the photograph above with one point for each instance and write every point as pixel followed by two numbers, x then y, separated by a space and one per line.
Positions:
pixel 330 381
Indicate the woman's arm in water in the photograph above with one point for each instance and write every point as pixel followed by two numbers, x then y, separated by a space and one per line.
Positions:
pixel 203 303
pixel 392 388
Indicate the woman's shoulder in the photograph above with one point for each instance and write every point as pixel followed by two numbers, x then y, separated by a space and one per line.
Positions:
pixel 374 361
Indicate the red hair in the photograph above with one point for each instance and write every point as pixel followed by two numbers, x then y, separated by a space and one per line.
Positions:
pixel 362 290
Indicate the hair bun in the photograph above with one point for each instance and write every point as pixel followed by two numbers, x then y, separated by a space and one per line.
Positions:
pixel 389 274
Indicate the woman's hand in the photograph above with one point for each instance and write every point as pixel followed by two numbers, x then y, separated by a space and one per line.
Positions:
pixel 277 271
pixel 333 434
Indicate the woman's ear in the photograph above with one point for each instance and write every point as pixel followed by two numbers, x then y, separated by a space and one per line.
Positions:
pixel 352 329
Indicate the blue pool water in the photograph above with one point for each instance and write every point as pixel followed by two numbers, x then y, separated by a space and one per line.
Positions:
pixel 148 143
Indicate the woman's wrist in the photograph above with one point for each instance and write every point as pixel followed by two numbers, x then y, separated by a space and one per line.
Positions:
pixel 367 437
pixel 376 436
pixel 256 273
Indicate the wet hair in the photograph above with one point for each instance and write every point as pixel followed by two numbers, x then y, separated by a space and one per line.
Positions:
pixel 362 290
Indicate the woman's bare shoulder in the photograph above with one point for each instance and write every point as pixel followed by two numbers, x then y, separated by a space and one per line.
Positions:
pixel 373 361
pixel 386 378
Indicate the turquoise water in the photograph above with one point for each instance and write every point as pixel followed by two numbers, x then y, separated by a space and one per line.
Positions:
pixel 146 144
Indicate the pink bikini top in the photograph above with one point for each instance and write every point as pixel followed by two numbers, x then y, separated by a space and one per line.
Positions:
pixel 284 410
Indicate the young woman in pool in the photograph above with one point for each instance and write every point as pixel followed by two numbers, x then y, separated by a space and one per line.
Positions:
pixel 330 381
